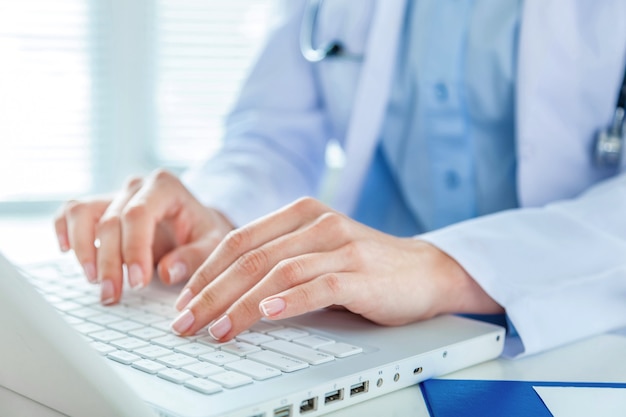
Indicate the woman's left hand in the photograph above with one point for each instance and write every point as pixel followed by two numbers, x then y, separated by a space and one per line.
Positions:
pixel 307 256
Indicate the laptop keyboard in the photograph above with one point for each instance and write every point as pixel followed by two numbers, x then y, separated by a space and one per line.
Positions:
pixel 136 333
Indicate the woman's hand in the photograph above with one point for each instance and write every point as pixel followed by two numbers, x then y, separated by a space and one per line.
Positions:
pixel 153 221
pixel 307 256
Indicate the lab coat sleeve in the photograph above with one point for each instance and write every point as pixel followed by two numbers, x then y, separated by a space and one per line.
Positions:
pixel 277 130
pixel 559 271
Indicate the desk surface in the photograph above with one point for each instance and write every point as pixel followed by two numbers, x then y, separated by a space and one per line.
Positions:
pixel 599 359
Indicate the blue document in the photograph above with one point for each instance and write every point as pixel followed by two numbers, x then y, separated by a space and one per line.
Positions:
pixel 459 398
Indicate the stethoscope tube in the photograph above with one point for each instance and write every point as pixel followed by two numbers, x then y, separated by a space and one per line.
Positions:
pixel 314 54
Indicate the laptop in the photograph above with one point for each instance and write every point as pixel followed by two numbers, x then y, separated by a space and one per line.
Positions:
pixel 61 348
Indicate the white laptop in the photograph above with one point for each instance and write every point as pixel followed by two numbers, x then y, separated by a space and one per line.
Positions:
pixel 61 348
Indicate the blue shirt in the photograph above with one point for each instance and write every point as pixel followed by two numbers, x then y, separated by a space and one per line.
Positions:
pixel 447 148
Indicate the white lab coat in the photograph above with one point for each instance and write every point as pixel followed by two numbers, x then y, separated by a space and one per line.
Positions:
pixel 558 264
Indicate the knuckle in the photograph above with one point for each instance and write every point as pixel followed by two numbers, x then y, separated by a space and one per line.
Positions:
pixel 109 223
pixel 236 240
pixel 207 299
pixel 354 252
pixel 305 205
pixel 333 283
pixel 331 221
pixel 247 307
pixel 252 263
pixel 75 208
pixel 290 271
pixel 133 213
pixel 133 183
pixel 162 175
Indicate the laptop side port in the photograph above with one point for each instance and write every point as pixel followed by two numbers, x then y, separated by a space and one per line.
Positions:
pixel 308 405
pixel 283 411
pixel 331 397
pixel 359 388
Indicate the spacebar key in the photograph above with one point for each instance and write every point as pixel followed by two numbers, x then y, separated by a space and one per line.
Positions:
pixel 303 353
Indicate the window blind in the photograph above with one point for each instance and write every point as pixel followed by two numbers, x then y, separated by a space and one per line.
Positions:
pixel 204 49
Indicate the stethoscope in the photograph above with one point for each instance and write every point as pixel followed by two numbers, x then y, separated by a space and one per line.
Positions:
pixel 329 49
pixel 608 142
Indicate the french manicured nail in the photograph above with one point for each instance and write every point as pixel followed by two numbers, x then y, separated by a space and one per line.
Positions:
pixel 183 299
pixel 220 327
pixel 90 272
pixel 272 307
pixel 183 322
pixel 64 245
pixel 135 277
pixel 177 272
pixel 107 292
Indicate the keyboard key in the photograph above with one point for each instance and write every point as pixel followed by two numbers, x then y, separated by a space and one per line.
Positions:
pixel 254 338
pixel 125 326
pixel 341 350
pixel 277 360
pixel 67 306
pixel 288 333
pixel 193 349
pixel 147 333
pixel 253 369
pixel 148 366
pixel 107 335
pixel 202 369
pixel 105 319
pixel 169 341
pixel 147 318
pixel 123 357
pixel 102 348
pixel 218 358
pixel 203 386
pixel 230 379
pixel 165 325
pixel 153 352
pixel 311 356
pixel 176 360
pixel 86 328
pixel 313 341
pixel 265 327
pixel 209 341
pixel 129 343
pixel 174 375
pixel 240 348
pixel 84 312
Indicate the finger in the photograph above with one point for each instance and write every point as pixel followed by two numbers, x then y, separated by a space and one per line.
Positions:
pixel 109 255
pixel 60 229
pixel 324 291
pixel 162 196
pixel 290 273
pixel 179 264
pixel 252 236
pixel 251 267
pixel 80 219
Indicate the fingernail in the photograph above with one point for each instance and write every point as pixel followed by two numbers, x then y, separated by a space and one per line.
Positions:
pixel 90 272
pixel 177 272
pixel 63 243
pixel 183 322
pixel 220 327
pixel 135 277
pixel 272 307
pixel 183 299
pixel 107 294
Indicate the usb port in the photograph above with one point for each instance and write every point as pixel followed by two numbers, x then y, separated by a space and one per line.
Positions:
pixel 308 405
pixel 331 397
pixel 359 388
pixel 283 411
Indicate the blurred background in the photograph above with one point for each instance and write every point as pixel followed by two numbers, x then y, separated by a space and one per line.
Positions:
pixel 93 91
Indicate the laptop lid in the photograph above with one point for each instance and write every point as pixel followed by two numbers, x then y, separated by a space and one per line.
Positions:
pixel 43 358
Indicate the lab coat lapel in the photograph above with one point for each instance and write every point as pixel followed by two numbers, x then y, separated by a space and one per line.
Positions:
pixel 371 100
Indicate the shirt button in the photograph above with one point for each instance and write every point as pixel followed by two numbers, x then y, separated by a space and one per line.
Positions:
pixel 441 92
pixel 452 179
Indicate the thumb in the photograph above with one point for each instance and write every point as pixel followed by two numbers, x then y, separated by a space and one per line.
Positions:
pixel 179 264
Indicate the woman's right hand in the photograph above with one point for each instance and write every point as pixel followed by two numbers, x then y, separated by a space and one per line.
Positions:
pixel 153 222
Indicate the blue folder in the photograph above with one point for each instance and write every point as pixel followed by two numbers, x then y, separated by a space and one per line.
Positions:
pixel 459 398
